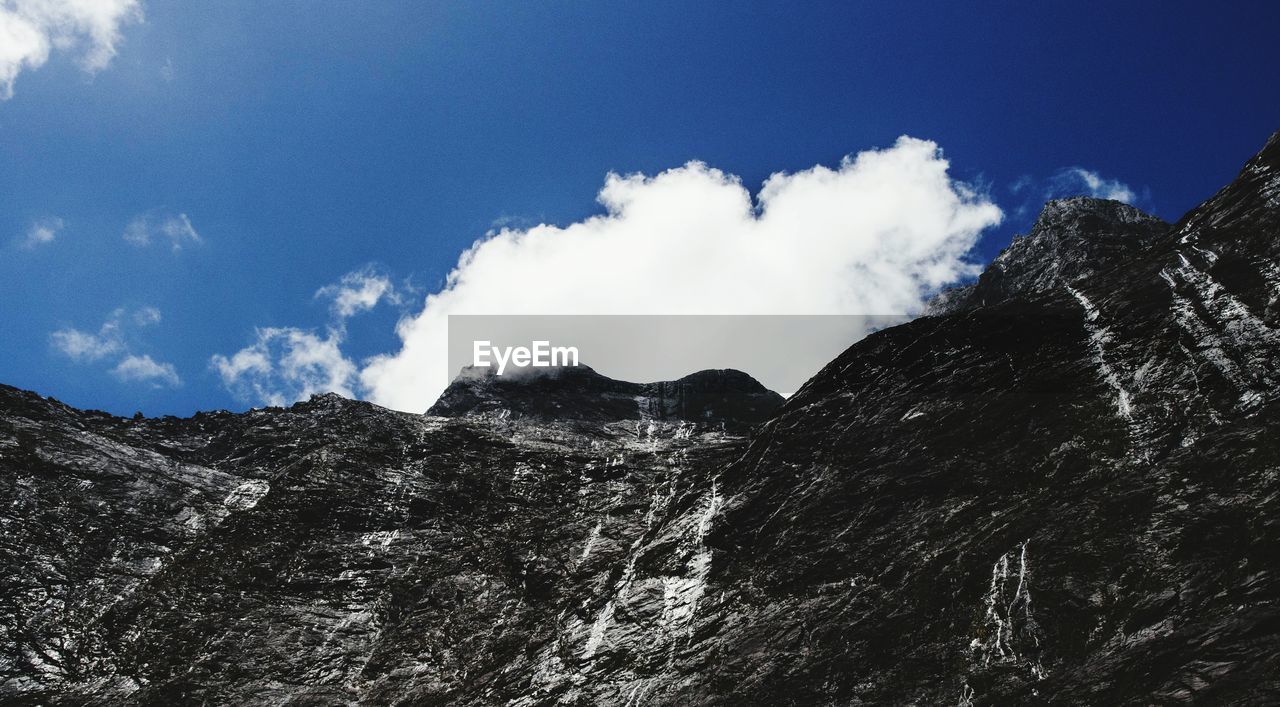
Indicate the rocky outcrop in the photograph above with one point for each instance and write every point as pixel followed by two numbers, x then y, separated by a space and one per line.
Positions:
pixel 718 398
pixel 1071 240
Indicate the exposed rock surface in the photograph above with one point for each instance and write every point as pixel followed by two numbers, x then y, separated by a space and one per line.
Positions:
pixel 1071 240
pixel 729 398
pixel 1065 491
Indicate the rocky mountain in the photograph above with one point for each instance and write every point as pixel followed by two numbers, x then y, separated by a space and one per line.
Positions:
pixel 1061 488
pixel 1071 240
pixel 731 399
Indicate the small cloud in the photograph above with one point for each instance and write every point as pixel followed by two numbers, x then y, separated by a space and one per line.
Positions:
pixel 110 340
pixel 144 369
pixel 31 29
pixel 357 292
pixel 166 71
pixel 84 346
pixel 1078 180
pixel 146 316
pixel 41 233
pixel 285 365
pixel 175 228
pixel 1022 183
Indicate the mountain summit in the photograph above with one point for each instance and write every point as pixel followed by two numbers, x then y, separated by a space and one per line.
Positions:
pixel 1071 239
pixel 713 397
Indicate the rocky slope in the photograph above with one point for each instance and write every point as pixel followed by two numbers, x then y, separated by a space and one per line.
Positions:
pixel 1061 489
pixel 336 552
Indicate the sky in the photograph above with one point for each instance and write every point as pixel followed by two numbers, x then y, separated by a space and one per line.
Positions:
pixel 232 204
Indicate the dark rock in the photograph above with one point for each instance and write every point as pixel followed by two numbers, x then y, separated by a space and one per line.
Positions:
pixel 1072 239
pixel 725 398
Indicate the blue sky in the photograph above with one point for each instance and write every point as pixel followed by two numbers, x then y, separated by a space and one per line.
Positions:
pixel 302 141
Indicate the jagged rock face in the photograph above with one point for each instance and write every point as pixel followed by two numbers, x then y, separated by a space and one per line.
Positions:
pixel 336 552
pixel 1071 240
pixel 1066 497
pixel 1066 494
pixel 725 398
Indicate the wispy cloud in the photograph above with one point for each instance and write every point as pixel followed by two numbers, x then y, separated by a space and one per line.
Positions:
pixel 85 346
pixel 31 29
pixel 175 229
pixel 144 369
pixel 1076 181
pixel 112 339
pixel 287 364
pixel 358 291
pixel 42 232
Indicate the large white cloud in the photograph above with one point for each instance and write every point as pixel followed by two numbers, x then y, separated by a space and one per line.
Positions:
pixel 876 235
pixel 30 29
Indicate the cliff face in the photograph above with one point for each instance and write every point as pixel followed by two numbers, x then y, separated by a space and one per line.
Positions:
pixel 1063 493
pixel 1062 489
pixel 337 552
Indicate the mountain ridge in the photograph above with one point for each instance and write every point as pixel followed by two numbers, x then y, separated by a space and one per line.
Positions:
pixel 711 396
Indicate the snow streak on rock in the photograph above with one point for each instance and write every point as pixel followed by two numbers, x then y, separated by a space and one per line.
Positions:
pixel 1223 332
pixel 682 593
pixel 1099 337
pixel 591 541
pixel 247 495
pixel 1008 633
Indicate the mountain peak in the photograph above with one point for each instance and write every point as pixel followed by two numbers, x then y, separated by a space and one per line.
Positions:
pixel 1251 201
pixel 1059 211
pixel 1071 239
pixel 711 396
pixel 1273 145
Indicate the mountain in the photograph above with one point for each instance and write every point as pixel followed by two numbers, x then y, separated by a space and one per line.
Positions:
pixel 1072 239
pixel 731 399
pixel 1062 487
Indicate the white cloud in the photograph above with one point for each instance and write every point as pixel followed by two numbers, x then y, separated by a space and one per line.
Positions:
pixel 84 346
pixel 175 228
pixel 41 232
pixel 286 364
pixel 357 292
pixel 876 235
pixel 1080 181
pixel 146 316
pixel 143 369
pixel 31 29
pixel 111 340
